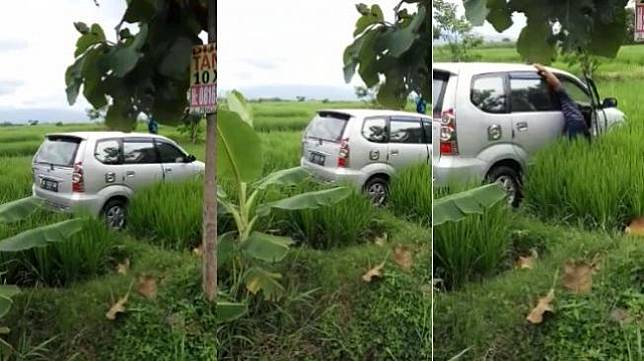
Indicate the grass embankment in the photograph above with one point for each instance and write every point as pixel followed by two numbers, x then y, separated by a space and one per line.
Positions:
pixel 578 198
pixel 328 312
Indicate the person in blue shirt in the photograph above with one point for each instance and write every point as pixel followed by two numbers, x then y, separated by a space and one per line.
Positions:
pixel 421 106
pixel 153 126
pixel 574 122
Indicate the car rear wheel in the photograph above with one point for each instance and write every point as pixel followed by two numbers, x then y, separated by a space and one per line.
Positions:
pixel 510 180
pixel 115 214
pixel 377 189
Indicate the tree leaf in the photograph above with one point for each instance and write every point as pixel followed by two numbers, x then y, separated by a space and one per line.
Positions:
pixel 476 11
pixel 42 236
pixel 544 305
pixel 225 248
pixel 284 177
pixel 403 257
pixel 229 311
pixel 399 41
pixel 499 15
pixel 258 279
pixel 73 80
pixel 455 207
pixel 18 210
pixel 124 58
pixel 123 267
pixel 176 61
pixel 92 73
pixel 607 38
pixel 309 200
pixel 140 11
pixel 95 35
pixel 81 27
pixel 578 277
pixel 116 308
pixel 635 227
pixel 533 44
pixel 266 247
pixel 238 104
pixel 239 148
pixel 147 286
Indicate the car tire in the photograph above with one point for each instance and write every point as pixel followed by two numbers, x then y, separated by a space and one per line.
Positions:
pixel 115 214
pixel 510 179
pixel 377 189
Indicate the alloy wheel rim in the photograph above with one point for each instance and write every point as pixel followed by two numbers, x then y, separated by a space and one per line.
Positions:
pixel 509 187
pixel 115 217
pixel 377 192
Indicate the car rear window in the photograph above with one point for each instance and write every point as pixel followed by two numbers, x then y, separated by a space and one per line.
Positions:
pixel 58 150
pixel 439 83
pixel 327 126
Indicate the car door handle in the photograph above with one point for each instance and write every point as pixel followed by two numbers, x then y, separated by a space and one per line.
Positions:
pixel 169 170
pixel 130 173
pixel 522 126
pixel 394 152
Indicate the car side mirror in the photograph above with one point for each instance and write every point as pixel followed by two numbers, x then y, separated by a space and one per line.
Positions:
pixel 609 103
pixel 190 158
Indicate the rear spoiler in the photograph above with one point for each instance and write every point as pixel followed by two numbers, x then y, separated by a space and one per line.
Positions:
pixel 334 114
pixel 68 137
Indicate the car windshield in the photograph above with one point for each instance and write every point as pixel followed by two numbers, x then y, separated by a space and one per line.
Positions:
pixel 327 126
pixel 58 151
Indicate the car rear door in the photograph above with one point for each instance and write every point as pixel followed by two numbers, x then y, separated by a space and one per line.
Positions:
pixel 322 139
pixel 407 144
pixel 536 116
pixel 53 165
pixel 141 165
pixel 174 161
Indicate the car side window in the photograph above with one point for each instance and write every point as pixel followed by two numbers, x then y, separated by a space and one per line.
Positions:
pixel 139 152
pixel 531 95
pixel 488 93
pixel 406 130
pixel 576 93
pixel 169 153
pixel 375 130
pixel 108 151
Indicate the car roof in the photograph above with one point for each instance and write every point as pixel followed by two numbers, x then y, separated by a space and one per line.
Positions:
pixel 105 134
pixel 481 67
pixel 363 113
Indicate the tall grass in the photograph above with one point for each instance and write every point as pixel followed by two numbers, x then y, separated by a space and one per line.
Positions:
pixel 86 254
pixel 474 247
pixel 15 178
pixel 411 193
pixel 19 148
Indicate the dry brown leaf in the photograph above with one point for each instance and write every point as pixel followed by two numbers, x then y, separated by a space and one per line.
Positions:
pixel 578 276
pixel 147 286
pixel 544 305
pixel 635 227
pixel 527 262
pixel 123 267
pixel 118 307
pixel 403 256
pixel 620 315
pixel 380 241
pixel 375 272
pixel 197 251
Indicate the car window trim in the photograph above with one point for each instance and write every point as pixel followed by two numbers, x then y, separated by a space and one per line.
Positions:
pixel 158 141
pixel 120 156
pixel 407 119
pixel 365 119
pixel 528 75
pixel 140 140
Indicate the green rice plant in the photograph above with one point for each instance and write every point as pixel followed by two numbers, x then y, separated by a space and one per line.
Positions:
pixel 474 247
pixel 20 148
pixel 410 193
pixel 85 254
pixel 15 178
pixel 350 221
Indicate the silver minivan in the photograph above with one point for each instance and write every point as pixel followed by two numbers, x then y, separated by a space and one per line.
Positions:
pixel 488 119
pixel 98 172
pixel 365 147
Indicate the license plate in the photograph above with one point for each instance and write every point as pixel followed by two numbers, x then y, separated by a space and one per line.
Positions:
pixel 317 158
pixel 48 184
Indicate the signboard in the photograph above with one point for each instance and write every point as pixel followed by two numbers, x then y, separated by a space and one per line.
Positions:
pixel 639 22
pixel 203 79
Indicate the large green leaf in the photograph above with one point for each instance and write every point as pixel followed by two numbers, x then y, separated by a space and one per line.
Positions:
pixel 125 57
pixel 499 15
pixel 6 292
pixel 237 103
pixel 608 37
pixel 400 40
pixel 176 61
pixel 267 247
pixel 456 207
pixel 18 210
pixel 139 10
pixel 74 80
pixel 93 36
pixel 370 17
pixel 533 43
pixel 92 73
pixel 42 236
pixel 309 200
pixel 284 177
pixel 239 148
pixel 229 311
pixel 476 11
pixel 258 279
pixel 225 248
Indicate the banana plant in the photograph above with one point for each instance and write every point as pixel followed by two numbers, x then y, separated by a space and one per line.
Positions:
pixel 457 206
pixel 16 211
pixel 246 249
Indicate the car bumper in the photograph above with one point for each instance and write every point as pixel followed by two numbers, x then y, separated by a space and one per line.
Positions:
pixel 450 169
pixel 75 202
pixel 334 175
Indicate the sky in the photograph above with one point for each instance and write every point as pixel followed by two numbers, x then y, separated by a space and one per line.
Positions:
pixel 265 48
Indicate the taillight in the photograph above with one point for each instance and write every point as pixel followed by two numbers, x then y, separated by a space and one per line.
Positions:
pixel 78 183
pixel 449 144
pixel 343 155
